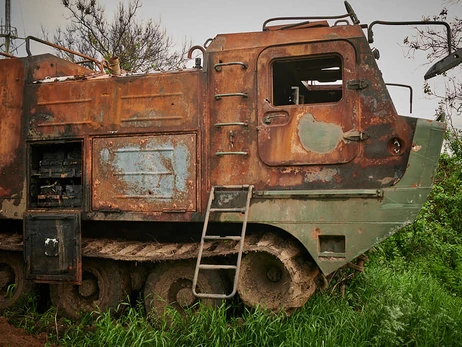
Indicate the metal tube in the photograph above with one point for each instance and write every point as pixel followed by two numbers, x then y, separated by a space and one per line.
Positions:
pixel 28 38
pixel 114 66
pixel 306 20
pixel 411 93
pixel 370 34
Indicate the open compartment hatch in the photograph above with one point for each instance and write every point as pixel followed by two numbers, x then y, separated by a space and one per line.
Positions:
pixel 55 179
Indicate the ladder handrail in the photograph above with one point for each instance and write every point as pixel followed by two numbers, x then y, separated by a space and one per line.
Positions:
pixel 240 239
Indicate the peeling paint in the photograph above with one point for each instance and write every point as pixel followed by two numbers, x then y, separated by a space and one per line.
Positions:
pixel 386 180
pixel 318 137
pixel 15 207
pixel 145 173
pixel 323 175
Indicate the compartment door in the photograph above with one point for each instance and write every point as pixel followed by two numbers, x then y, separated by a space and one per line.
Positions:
pixel 144 173
pixel 307 114
pixel 52 246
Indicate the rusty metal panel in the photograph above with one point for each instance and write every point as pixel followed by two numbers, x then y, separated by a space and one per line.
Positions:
pixel 231 101
pixel 159 100
pixel 12 202
pixel 60 106
pixel 144 173
pixel 46 65
pixel 70 106
pixel 52 247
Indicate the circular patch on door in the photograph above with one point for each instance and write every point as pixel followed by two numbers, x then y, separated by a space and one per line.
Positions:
pixel 318 137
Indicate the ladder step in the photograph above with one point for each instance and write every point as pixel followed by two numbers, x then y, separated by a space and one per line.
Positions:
pixel 213 237
pixel 231 187
pixel 215 296
pixel 234 209
pixel 217 267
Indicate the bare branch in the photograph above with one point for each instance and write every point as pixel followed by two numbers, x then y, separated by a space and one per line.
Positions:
pixel 434 43
pixel 140 46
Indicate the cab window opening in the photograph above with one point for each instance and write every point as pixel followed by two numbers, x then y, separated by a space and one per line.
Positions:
pixel 307 81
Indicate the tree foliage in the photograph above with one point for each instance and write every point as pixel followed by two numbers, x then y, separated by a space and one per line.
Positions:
pixel 434 42
pixel 140 46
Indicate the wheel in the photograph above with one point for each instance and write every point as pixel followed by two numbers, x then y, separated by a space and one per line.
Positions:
pixel 101 289
pixel 170 284
pixel 266 281
pixel 13 285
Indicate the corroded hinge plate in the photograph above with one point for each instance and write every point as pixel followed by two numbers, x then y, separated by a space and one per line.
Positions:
pixel 357 84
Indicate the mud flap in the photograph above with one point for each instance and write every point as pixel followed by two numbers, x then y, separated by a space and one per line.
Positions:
pixel 52 247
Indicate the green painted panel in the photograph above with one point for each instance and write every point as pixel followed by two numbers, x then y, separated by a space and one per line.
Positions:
pixel 363 217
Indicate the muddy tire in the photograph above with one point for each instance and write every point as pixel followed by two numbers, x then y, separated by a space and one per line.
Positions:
pixel 264 281
pixel 101 289
pixel 276 277
pixel 13 286
pixel 170 284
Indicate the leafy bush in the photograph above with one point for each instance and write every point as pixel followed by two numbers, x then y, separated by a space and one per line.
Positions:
pixel 434 240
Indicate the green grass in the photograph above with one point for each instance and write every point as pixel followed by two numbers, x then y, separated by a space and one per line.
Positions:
pixel 384 306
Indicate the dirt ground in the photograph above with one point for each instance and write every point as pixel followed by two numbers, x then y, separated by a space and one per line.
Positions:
pixel 11 336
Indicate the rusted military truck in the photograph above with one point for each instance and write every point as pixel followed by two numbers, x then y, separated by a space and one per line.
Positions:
pixel 276 160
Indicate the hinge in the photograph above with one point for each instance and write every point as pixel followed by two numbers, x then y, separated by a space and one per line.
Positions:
pixel 355 135
pixel 357 84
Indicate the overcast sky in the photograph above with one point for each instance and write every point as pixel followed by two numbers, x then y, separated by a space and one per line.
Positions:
pixel 198 20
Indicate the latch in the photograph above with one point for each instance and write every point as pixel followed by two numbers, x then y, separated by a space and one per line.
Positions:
pixel 51 247
pixel 355 135
pixel 276 118
pixel 357 84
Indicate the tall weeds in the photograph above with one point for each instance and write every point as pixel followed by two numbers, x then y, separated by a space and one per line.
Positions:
pixel 380 308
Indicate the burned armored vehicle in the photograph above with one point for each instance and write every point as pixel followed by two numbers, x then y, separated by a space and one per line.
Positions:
pixel 276 160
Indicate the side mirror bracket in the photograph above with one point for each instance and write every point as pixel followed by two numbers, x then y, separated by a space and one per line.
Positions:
pixel 445 64
pixel 451 60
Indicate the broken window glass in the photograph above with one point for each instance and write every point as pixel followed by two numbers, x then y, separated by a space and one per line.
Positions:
pixel 307 81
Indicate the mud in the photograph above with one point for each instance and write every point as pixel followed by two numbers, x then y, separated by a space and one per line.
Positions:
pixel 11 336
pixel 274 273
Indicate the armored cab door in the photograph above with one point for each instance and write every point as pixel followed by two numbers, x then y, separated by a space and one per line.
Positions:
pixel 307 104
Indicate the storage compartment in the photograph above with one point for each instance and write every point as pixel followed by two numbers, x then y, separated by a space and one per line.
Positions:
pixel 55 175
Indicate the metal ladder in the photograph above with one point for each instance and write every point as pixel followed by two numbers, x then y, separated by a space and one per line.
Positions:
pixel 227 209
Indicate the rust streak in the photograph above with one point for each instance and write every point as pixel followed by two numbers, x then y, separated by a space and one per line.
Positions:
pixel 150 96
pixel 63 123
pixel 62 102
pixel 148 119
pixel 143 196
